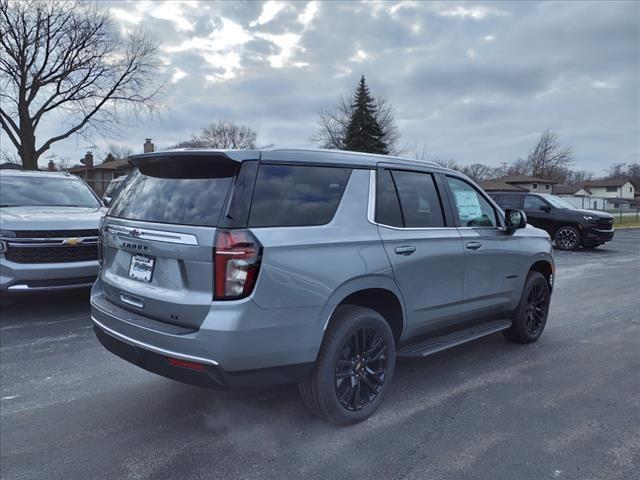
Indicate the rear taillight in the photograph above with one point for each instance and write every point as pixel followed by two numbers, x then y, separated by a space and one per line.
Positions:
pixel 236 262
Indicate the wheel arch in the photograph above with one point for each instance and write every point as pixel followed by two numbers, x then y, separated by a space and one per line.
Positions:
pixel 546 268
pixel 379 293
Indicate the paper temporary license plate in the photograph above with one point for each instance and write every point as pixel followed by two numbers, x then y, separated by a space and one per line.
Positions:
pixel 141 268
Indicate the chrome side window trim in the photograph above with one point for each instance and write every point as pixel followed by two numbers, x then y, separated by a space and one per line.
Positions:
pixel 155 235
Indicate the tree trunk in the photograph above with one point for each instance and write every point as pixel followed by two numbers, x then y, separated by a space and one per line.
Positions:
pixel 28 152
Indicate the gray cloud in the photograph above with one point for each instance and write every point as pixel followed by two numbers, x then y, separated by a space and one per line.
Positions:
pixel 474 82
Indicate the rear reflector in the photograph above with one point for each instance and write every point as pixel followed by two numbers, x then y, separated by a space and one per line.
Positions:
pixel 176 362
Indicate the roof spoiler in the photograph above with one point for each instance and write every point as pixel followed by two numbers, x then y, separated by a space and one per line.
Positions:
pixel 204 154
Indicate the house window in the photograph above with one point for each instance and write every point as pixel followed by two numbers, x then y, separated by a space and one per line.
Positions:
pixel 546 187
pixel 630 189
pixel 535 186
pixel 612 189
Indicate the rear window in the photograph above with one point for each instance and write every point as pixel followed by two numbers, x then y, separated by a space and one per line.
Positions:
pixel 184 191
pixel 290 195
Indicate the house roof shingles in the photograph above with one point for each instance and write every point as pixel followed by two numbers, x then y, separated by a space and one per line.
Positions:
pixel 523 179
pixel 496 185
pixel 611 182
pixel 569 189
pixel 113 165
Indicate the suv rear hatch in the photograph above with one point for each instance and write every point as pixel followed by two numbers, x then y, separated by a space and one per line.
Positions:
pixel 158 236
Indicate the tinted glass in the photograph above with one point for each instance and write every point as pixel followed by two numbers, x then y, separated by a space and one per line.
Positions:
pixel 185 191
pixel 288 195
pixel 41 191
pixel 511 201
pixel 387 204
pixel 418 199
pixel 532 202
pixel 473 209
pixel 559 202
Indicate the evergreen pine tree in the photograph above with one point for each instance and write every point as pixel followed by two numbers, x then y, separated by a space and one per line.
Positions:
pixel 363 131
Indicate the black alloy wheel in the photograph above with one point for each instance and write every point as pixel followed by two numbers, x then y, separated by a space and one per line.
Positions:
pixel 567 238
pixel 361 369
pixel 530 318
pixel 536 312
pixel 354 368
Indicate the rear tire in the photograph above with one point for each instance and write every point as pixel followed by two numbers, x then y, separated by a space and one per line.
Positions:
pixel 530 317
pixel 567 238
pixel 354 368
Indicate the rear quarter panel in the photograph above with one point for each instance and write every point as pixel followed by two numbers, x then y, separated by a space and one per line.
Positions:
pixel 319 266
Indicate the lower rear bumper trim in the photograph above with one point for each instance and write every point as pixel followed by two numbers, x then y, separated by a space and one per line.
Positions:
pixel 152 348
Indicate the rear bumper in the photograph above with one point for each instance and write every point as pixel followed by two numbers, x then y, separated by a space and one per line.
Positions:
pixel 211 375
pixel 23 277
pixel 253 348
pixel 592 236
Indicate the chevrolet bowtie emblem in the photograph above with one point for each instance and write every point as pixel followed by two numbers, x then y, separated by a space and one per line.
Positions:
pixel 72 242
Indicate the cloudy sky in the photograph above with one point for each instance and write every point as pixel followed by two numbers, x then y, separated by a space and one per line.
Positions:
pixel 476 82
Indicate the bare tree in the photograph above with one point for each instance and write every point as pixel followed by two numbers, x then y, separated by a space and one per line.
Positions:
pixel 617 171
pixel 333 122
pixel 548 156
pixel 222 134
pixel 570 177
pixel 478 172
pixel 68 56
pixel 119 152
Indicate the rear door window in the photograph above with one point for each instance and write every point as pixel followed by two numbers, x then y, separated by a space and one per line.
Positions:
pixel 185 191
pixel 296 195
pixel 511 201
pixel 418 199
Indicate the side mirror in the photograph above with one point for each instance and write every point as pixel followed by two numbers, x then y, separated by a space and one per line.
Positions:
pixel 106 201
pixel 514 219
pixel 545 208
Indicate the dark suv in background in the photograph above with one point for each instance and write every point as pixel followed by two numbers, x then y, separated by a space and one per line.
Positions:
pixel 569 226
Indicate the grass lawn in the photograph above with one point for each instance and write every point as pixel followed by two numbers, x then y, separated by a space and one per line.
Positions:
pixel 626 221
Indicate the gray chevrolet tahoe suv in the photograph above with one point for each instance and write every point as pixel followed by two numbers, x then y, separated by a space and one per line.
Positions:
pixel 48 232
pixel 249 268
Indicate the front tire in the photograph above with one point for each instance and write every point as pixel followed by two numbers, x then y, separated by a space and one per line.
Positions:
pixel 354 368
pixel 567 238
pixel 530 317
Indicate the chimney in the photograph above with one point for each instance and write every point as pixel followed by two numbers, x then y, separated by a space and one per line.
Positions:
pixel 148 146
pixel 87 161
pixel 51 167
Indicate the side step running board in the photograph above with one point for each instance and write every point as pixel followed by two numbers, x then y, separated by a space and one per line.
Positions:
pixel 449 340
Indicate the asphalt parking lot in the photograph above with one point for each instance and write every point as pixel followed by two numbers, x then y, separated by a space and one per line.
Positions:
pixel 566 407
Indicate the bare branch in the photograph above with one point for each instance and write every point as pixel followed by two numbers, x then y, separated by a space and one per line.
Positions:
pixel 69 55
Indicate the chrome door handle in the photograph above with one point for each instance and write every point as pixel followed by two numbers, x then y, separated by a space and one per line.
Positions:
pixel 473 245
pixel 405 250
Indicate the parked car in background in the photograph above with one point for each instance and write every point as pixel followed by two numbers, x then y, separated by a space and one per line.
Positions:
pixel 249 268
pixel 569 226
pixel 113 189
pixel 48 231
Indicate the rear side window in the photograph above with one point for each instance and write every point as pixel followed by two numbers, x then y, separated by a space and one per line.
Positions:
pixel 295 195
pixel 387 203
pixel 418 199
pixel 511 201
pixel 184 191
